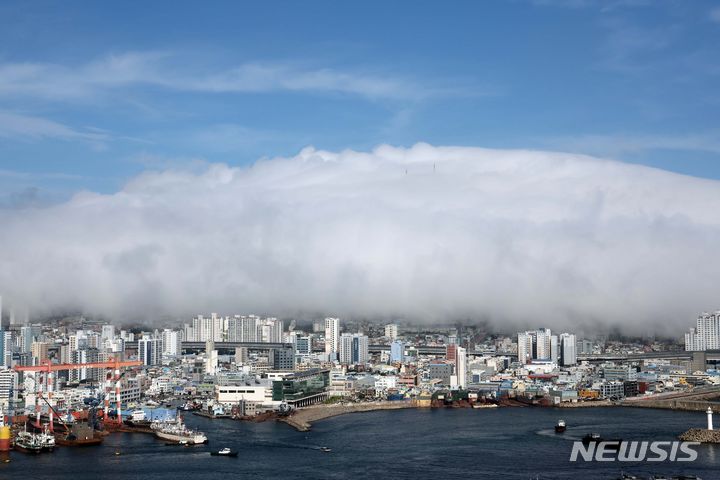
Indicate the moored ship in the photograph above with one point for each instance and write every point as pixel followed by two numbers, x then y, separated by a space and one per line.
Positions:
pixel 79 435
pixel 189 406
pixel 176 431
pixel 28 442
pixel 138 419
pixel 47 440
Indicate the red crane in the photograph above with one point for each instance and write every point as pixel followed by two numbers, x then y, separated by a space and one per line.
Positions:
pixel 48 368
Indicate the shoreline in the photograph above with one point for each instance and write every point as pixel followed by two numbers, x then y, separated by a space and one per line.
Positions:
pixel 303 419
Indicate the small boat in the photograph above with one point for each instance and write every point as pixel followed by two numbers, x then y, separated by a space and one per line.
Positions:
pixel 225 452
pixel 326 449
pixel 560 427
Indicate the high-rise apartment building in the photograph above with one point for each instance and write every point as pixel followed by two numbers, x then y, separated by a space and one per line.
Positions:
pixel 543 344
pixel 8 388
pixel 391 331
pixel 538 344
pixel 171 342
pixel 332 337
pixel 461 367
pixel 149 350
pixel 568 349
pixel 525 350
pixel 353 349
pixel 270 330
pixel 705 335
pixel 39 352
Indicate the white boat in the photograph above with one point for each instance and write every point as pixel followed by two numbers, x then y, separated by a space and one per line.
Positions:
pixel 176 431
pixel 225 452
pixel 28 442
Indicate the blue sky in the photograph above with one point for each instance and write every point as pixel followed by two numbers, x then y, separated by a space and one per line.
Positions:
pixel 91 94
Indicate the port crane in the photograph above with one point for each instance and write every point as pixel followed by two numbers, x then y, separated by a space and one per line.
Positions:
pixel 46 370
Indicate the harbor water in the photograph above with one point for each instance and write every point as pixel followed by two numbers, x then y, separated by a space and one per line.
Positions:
pixel 508 443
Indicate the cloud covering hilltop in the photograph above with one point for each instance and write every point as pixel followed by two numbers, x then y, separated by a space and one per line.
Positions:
pixel 519 238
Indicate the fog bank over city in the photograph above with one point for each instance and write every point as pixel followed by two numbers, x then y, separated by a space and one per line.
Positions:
pixel 518 238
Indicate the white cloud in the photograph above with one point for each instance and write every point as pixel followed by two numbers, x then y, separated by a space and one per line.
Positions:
pixel 527 237
pixel 13 125
pixel 170 71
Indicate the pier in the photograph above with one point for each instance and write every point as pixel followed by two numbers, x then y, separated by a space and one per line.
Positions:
pixel 302 419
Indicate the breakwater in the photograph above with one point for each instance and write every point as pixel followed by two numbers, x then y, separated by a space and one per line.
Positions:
pixel 701 435
pixel 302 419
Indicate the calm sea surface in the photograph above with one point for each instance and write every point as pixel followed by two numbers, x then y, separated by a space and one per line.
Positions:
pixel 508 443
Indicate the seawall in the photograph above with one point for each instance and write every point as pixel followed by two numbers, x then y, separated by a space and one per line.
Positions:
pixel 701 435
pixel 302 419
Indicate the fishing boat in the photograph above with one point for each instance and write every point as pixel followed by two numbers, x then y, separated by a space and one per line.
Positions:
pixel 176 431
pixel 28 442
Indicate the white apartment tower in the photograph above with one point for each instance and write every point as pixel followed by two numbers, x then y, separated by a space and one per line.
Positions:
pixel 270 330
pixel 705 335
pixel 461 367
pixel 391 331
pixel 538 344
pixel 332 336
pixel 525 347
pixel 543 347
pixel 171 342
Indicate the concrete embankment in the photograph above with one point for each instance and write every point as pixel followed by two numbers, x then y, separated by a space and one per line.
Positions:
pixel 672 404
pixel 701 435
pixel 303 418
pixel 594 403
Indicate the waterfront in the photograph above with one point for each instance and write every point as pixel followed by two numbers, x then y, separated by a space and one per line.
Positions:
pixel 515 443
